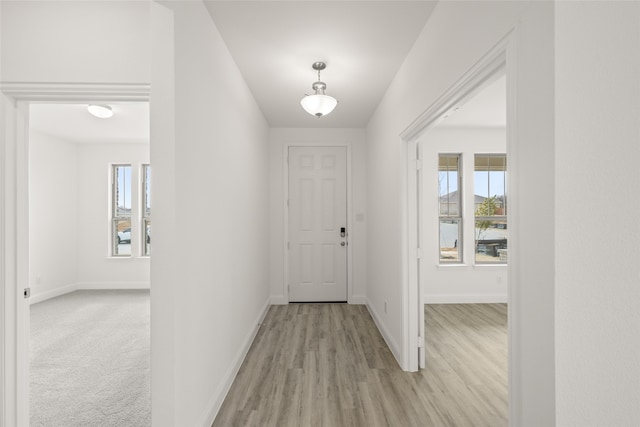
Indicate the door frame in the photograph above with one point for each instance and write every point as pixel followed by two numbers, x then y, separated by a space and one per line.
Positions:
pixel 501 56
pixel 14 223
pixel 285 210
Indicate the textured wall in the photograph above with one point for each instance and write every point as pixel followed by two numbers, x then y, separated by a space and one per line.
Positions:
pixel 456 36
pixel 597 199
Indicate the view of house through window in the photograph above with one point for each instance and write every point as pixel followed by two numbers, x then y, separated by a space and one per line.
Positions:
pixel 489 207
pixel 490 180
pixel 450 208
pixel 146 210
pixel 121 210
pixel 127 207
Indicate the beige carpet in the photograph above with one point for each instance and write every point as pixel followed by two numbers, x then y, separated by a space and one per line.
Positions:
pixel 90 360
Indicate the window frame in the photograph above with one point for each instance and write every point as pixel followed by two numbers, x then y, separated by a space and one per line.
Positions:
pixel 458 218
pixel 490 218
pixel 115 216
pixel 145 216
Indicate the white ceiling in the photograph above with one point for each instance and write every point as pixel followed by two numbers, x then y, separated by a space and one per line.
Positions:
pixel 363 44
pixel 486 109
pixel 73 123
pixel 274 44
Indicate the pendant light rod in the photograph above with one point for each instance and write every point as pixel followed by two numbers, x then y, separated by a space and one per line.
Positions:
pixel 318 104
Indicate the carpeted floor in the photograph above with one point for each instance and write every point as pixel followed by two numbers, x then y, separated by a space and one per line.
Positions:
pixel 90 360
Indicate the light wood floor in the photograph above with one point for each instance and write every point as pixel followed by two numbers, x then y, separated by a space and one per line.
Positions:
pixel 327 365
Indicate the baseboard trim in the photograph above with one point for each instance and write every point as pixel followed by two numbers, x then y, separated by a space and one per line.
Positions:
pixel 391 343
pixel 279 300
pixel 43 296
pixel 215 403
pixel 354 299
pixel 113 285
pixel 464 299
pixel 358 300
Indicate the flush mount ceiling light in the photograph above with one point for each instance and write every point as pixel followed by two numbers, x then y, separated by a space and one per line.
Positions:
pixel 100 111
pixel 318 104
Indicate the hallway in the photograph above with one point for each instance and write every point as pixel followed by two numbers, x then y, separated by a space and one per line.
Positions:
pixel 327 365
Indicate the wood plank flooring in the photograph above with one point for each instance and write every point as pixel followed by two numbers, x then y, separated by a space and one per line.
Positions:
pixel 327 365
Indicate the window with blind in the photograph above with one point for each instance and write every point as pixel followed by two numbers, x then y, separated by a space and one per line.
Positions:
pixel 121 210
pixel 490 185
pixel 450 208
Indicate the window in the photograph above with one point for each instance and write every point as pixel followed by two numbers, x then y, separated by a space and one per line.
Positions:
pixel 121 210
pixel 490 180
pixel 450 208
pixel 146 210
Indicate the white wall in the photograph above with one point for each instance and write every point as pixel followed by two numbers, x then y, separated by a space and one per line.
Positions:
pixel 597 227
pixel 69 217
pixel 53 216
pixel 72 41
pixel 217 288
pixel 456 36
pixel 7 382
pixel 164 275
pixel 279 138
pixel 466 282
pixel 54 42
pixel 96 268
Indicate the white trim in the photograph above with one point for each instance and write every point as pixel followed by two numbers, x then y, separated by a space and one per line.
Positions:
pixel 43 296
pixel 464 299
pixel 466 87
pixel 215 402
pixel 15 99
pixel 3 275
pixel 285 209
pixel 358 299
pixel 500 57
pixel 63 290
pixel 75 92
pixel 8 192
pixel 279 300
pixel 388 338
pixel 22 263
pixel 413 301
pixel 113 285
pixel 515 394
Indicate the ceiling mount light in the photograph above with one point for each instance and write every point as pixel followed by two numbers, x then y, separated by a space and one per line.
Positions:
pixel 100 110
pixel 318 104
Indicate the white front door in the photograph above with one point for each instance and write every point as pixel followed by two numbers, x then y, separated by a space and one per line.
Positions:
pixel 317 224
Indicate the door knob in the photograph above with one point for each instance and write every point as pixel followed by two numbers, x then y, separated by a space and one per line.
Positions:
pixel 343 243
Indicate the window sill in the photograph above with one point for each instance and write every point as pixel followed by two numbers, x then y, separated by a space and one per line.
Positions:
pixel 129 257
pixel 452 266
pixel 475 266
pixel 490 266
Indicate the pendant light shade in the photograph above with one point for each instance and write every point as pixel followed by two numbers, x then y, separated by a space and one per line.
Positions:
pixel 318 104
pixel 100 111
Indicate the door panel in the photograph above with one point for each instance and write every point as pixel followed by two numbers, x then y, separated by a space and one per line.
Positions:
pixel 317 212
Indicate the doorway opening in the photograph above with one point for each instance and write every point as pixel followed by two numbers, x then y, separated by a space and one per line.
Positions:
pixel 17 100
pixel 458 235
pixel 89 264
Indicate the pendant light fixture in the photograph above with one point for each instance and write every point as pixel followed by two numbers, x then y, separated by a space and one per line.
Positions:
pixel 100 111
pixel 318 104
